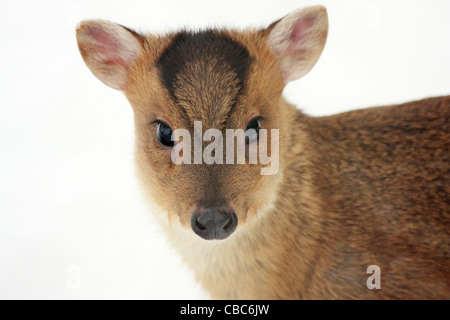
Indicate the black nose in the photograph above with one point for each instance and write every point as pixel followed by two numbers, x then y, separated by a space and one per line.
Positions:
pixel 214 223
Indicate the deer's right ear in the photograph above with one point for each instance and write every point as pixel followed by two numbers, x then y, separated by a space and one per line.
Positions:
pixel 297 40
pixel 108 49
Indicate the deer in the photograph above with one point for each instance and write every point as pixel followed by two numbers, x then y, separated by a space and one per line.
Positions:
pixel 363 188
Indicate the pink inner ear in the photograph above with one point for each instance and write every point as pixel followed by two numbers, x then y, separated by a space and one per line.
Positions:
pixel 299 30
pixel 107 47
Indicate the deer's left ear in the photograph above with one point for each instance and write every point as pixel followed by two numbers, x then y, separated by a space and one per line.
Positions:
pixel 297 40
pixel 108 49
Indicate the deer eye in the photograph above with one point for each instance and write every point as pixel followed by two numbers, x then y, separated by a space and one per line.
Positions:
pixel 252 131
pixel 164 134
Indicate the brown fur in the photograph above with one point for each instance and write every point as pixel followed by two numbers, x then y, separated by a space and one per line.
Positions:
pixel 361 188
pixel 367 187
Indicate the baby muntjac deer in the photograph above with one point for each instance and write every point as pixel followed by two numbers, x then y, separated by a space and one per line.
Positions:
pixel 263 201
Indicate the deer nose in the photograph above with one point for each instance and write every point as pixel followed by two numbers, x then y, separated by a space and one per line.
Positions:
pixel 214 223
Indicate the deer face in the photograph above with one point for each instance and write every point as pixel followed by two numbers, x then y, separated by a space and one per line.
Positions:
pixel 210 129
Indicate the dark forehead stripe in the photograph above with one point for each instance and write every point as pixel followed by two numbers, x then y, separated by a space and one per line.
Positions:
pixel 189 47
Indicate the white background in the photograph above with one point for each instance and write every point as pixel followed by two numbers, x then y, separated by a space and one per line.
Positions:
pixel 72 221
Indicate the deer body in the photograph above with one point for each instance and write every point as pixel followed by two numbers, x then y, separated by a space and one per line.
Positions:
pixel 353 190
pixel 329 224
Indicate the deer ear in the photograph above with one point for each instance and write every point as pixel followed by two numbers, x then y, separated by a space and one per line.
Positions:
pixel 298 40
pixel 108 49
